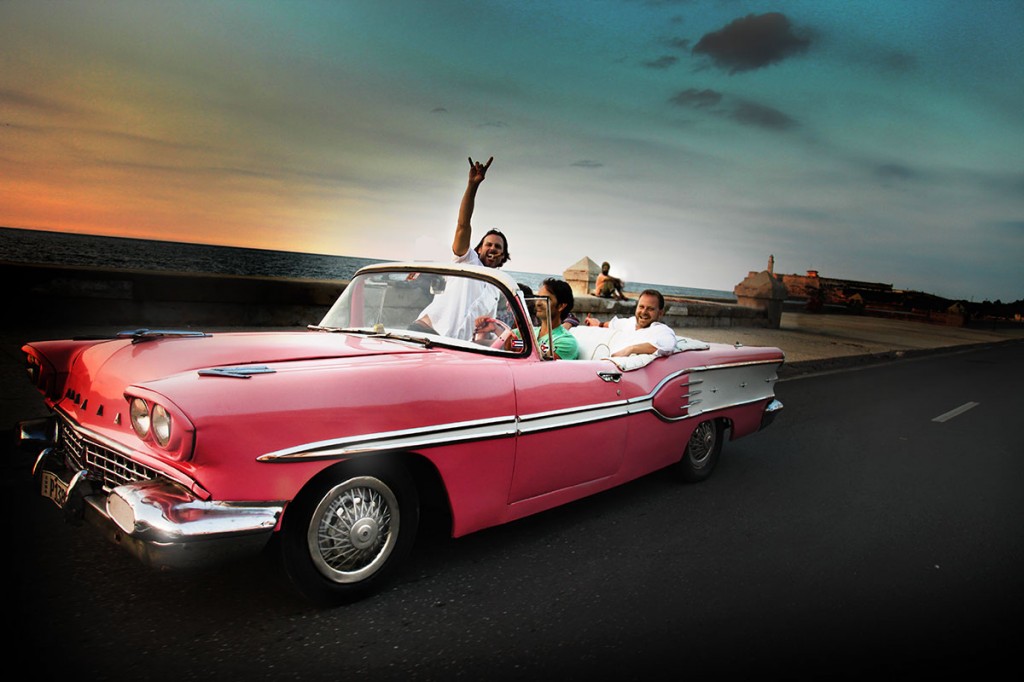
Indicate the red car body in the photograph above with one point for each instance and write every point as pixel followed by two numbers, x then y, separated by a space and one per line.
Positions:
pixel 188 447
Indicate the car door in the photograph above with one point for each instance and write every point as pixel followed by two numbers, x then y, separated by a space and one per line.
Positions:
pixel 571 424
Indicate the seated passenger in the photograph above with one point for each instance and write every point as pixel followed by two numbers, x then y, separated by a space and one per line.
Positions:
pixel 644 333
pixel 554 297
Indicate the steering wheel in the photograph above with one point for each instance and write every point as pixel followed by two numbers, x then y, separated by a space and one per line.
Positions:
pixel 505 329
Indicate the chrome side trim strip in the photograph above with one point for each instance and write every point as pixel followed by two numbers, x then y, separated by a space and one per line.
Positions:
pixel 558 419
pixel 502 427
pixel 480 429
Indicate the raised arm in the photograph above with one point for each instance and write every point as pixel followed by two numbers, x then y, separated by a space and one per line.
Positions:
pixel 464 228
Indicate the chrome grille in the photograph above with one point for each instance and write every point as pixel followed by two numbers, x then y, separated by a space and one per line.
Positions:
pixel 102 464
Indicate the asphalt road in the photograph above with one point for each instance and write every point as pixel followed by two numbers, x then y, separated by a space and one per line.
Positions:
pixel 855 538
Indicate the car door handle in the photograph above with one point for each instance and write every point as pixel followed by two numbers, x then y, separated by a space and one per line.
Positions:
pixel 610 376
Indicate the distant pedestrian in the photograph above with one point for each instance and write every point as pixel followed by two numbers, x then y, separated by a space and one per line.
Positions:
pixel 607 286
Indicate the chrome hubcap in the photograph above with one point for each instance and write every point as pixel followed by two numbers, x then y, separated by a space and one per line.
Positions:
pixel 365 533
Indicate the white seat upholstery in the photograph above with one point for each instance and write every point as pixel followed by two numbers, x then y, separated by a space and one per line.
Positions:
pixel 596 343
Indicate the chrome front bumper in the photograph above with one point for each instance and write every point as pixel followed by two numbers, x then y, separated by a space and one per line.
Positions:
pixel 158 521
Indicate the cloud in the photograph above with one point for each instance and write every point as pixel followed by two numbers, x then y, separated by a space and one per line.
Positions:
pixel 894 171
pixel 17 99
pixel 752 113
pixel 586 163
pixel 742 111
pixel 899 61
pixel 1014 228
pixel 752 42
pixel 697 99
pixel 662 62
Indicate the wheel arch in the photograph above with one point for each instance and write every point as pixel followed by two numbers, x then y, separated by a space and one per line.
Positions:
pixel 430 488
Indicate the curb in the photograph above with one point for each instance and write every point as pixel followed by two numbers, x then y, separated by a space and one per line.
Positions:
pixel 808 368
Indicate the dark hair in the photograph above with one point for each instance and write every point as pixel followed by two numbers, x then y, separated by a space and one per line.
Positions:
pixel 505 256
pixel 531 307
pixel 656 294
pixel 563 294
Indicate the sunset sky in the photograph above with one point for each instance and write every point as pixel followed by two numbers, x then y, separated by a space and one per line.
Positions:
pixel 683 141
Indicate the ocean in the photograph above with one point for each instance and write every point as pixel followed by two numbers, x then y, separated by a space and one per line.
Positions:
pixel 58 248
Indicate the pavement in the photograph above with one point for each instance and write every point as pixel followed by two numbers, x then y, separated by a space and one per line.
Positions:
pixel 819 342
pixel 813 343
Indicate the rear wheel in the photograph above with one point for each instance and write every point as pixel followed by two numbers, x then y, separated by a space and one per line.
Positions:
pixel 702 451
pixel 343 537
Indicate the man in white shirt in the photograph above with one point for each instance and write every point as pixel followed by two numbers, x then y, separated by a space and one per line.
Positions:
pixel 453 312
pixel 644 333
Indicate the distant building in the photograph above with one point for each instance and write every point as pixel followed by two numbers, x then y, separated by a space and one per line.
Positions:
pixel 828 291
pixel 870 297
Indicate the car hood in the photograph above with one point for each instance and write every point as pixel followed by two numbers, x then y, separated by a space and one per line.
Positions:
pixel 103 370
pixel 157 357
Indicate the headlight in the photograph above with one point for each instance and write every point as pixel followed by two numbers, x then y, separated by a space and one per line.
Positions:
pixel 141 421
pixel 161 425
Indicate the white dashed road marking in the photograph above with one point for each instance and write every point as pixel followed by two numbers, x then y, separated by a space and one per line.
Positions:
pixel 956 412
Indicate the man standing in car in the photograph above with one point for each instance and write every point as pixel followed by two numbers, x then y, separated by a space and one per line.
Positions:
pixel 454 312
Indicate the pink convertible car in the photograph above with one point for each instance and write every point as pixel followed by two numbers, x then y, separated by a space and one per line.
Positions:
pixel 328 443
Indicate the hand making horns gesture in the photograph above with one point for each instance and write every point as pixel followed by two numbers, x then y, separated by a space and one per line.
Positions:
pixel 478 170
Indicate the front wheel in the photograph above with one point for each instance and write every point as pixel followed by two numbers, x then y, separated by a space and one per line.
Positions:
pixel 702 451
pixel 343 536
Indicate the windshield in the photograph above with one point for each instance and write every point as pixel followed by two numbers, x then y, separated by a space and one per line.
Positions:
pixel 428 307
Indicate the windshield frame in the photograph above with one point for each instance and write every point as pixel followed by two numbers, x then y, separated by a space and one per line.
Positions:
pixel 506 286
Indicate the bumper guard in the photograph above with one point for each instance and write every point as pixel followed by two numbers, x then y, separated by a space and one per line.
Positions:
pixel 159 522
pixel 770 412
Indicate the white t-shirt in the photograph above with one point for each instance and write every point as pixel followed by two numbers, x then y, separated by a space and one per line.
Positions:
pixel 658 334
pixel 453 312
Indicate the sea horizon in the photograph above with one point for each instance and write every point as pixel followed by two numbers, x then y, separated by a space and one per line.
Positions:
pixel 49 247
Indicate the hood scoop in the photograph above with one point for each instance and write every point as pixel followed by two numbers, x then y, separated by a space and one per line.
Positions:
pixel 140 335
pixel 243 372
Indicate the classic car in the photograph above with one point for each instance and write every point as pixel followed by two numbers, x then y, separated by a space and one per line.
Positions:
pixel 324 445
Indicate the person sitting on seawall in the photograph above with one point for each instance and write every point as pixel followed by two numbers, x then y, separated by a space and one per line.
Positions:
pixel 454 312
pixel 644 333
pixel 554 295
pixel 607 286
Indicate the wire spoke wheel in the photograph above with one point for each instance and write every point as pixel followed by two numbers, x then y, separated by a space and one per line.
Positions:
pixel 353 530
pixel 345 534
pixel 702 451
pixel 702 444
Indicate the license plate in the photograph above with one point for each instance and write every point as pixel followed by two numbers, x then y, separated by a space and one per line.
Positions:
pixel 54 489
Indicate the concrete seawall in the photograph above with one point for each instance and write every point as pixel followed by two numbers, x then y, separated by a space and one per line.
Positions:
pixel 680 313
pixel 69 295
pixel 42 295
